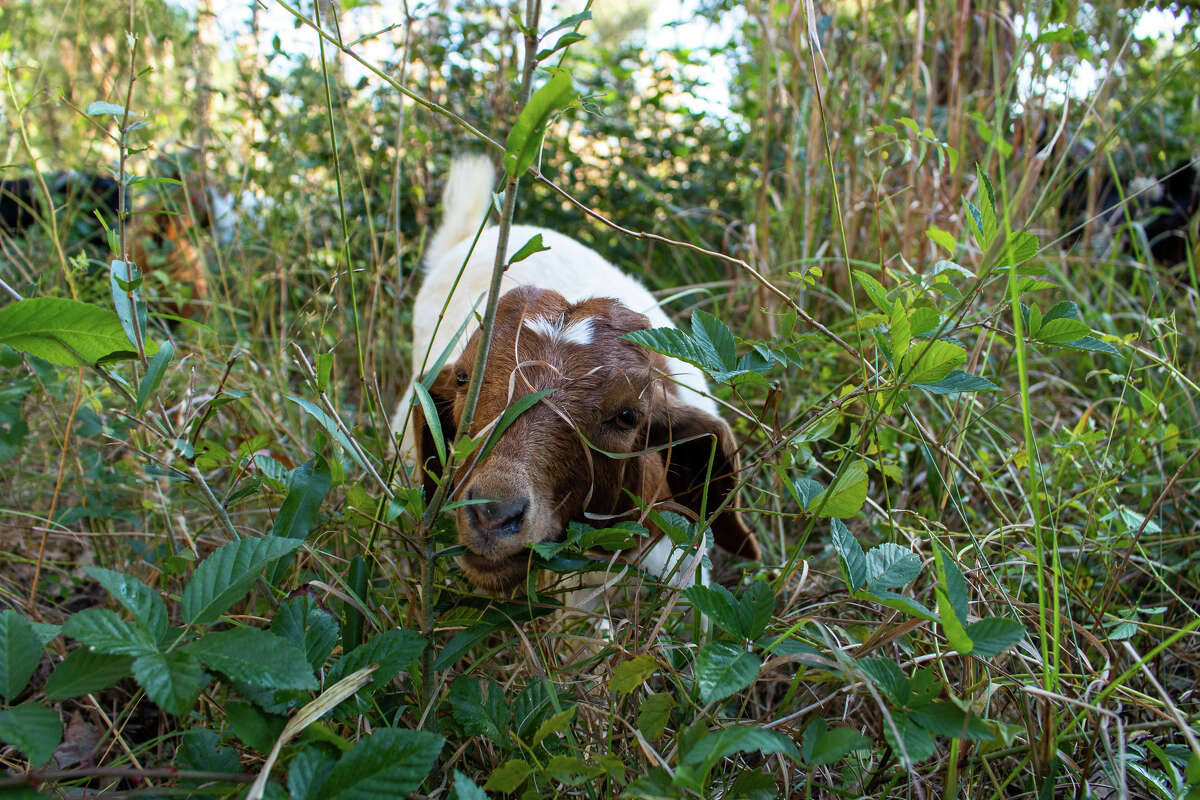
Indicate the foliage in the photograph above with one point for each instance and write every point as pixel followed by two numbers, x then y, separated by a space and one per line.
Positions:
pixel 968 431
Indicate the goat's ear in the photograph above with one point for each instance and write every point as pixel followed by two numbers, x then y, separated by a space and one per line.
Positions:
pixel 442 391
pixel 688 466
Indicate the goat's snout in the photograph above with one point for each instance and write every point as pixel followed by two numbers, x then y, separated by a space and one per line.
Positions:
pixel 497 517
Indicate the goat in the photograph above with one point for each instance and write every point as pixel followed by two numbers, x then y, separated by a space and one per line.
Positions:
pixel 621 422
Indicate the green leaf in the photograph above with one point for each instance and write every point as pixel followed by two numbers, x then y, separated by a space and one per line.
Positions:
pixel 754 785
pixel 824 745
pixel 307 487
pixel 874 290
pixel 901 603
pixel 105 632
pixel 100 108
pixel 941 238
pixel 1022 247
pixel 508 777
pixel 1062 331
pixel 391 762
pixel 465 788
pixel 571 771
pixel 570 22
pixel 671 342
pixel 946 719
pixel 534 245
pixel 631 674
pixel 743 618
pixel 890 566
pixel 699 760
pixel 715 341
pixel 556 724
pixel 900 331
pixel 850 555
pixel 227 574
pixel 301 621
pixel 915 744
pixel 525 138
pixel 1092 344
pixel 84 671
pixel 845 496
pixel 887 677
pixel 154 374
pixel 566 40
pixel 952 626
pixel 20 652
pixel 172 680
pixel 393 650
pixel 724 669
pixel 145 604
pixel 654 714
pixel 432 421
pixel 930 360
pixel 254 728
pixel 331 427
pixel 254 656
pixel 33 729
pixel 124 282
pixel 308 772
pixel 65 332
pixel 958 381
pixel 951 578
pixel 515 409
pixel 479 706
pixel 993 635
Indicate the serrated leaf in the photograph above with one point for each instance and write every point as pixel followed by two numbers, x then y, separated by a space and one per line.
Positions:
pixel 154 374
pixel 671 342
pixel 631 674
pixel 391 762
pixel 534 245
pixel 804 490
pixel 901 603
pixel 715 341
pixel 874 290
pixel 33 729
pixel 890 566
pixel 227 574
pixel 308 485
pixel 252 726
pixel 993 635
pixel 307 773
pixel 1022 247
pixel 172 680
pixel 951 578
pixel 824 745
pixel 850 554
pixel 654 714
pixel 525 138
pixel 1061 331
pixel 915 744
pixel 887 677
pixel 1062 310
pixel 845 496
pixel 946 719
pixel 930 360
pixel 724 669
pixel 465 788
pixel 105 632
pixel 20 652
pixel 254 656
pixel 302 622
pixel 393 650
pixel 556 724
pixel 958 381
pixel 1092 344
pixel 508 777
pixel 84 671
pixel 65 332
pixel 703 755
pixel 479 706
pixel 145 604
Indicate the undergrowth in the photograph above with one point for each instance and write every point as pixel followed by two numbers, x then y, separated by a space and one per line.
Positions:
pixel 968 450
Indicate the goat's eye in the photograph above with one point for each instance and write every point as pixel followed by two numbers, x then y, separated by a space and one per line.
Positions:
pixel 461 378
pixel 626 419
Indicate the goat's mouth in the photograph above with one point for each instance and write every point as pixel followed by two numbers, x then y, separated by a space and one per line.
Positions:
pixel 495 574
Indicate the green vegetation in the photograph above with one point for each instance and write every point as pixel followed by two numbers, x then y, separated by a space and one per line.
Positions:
pixel 969 422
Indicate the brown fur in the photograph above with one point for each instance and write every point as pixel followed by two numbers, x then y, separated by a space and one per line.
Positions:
pixel 541 474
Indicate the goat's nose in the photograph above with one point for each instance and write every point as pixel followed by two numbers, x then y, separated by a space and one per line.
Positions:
pixel 499 517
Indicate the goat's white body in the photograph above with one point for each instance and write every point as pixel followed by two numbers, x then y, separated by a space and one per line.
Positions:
pixel 568 267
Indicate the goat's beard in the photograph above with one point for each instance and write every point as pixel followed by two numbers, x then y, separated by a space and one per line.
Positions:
pixel 495 575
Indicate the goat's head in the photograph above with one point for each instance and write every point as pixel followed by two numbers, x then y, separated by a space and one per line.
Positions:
pixel 552 464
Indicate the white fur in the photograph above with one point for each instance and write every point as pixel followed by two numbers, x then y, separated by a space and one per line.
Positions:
pixel 578 332
pixel 567 267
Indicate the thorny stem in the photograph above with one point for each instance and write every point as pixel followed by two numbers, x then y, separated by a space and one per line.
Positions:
pixel 428 685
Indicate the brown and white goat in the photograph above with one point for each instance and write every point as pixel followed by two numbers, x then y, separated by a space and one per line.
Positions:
pixel 622 422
